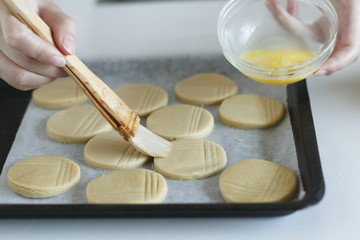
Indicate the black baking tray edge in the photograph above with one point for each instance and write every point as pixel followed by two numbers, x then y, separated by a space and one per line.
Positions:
pixel 13 104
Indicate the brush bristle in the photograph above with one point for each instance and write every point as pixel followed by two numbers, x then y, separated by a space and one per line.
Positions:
pixel 149 143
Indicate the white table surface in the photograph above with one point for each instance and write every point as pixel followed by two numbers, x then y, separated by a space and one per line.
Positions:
pixel 160 28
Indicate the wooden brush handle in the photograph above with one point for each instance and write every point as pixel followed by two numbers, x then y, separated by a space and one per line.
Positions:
pixel 110 105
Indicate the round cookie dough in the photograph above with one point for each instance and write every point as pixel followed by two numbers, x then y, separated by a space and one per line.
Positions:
pixel 77 124
pixel 130 186
pixel 250 111
pixel 143 99
pixel 43 176
pixel 205 89
pixel 61 93
pixel 181 121
pixel 192 159
pixel 257 181
pixel 110 151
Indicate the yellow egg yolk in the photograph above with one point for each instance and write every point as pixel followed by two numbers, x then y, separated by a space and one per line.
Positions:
pixel 276 58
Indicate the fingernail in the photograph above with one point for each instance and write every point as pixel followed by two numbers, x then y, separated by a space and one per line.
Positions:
pixel 321 73
pixel 69 44
pixel 270 6
pixel 273 4
pixel 58 61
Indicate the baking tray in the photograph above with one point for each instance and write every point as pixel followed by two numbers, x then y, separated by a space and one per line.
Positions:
pixel 14 103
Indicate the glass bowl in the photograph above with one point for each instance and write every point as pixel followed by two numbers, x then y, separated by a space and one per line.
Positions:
pixel 261 38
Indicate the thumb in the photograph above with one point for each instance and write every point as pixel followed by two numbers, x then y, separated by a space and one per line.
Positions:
pixel 63 27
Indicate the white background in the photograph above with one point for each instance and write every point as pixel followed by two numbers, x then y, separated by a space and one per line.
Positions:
pixel 160 28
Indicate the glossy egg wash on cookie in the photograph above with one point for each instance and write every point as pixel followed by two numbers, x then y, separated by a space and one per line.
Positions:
pixel 276 59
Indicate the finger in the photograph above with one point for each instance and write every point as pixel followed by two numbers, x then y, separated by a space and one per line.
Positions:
pixel 32 65
pixel 63 27
pixel 286 19
pixel 18 77
pixel 292 7
pixel 18 36
pixel 339 60
pixel 29 63
pixel 347 48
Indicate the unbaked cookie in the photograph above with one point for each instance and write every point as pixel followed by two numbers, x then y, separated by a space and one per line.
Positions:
pixel 192 159
pixel 250 111
pixel 143 99
pixel 205 89
pixel 257 181
pixel 181 121
pixel 61 93
pixel 43 176
pixel 76 124
pixel 110 151
pixel 130 186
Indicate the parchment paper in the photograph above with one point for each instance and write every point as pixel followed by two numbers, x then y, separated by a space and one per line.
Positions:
pixel 274 144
